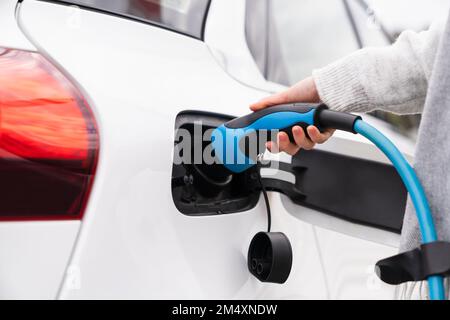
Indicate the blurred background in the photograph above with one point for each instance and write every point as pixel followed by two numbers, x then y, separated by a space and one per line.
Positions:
pixel 289 38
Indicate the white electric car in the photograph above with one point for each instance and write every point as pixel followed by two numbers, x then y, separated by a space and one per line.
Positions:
pixel 91 95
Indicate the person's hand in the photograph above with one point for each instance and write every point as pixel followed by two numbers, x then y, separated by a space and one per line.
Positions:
pixel 303 91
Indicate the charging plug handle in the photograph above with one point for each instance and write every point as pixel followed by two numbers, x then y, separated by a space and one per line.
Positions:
pixel 336 120
pixel 284 117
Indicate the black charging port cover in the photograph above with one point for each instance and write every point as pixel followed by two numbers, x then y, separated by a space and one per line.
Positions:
pixel 270 257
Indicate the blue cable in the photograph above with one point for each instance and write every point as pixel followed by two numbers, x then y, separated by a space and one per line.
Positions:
pixel 416 192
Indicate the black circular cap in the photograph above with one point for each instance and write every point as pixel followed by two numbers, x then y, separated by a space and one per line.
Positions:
pixel 270 257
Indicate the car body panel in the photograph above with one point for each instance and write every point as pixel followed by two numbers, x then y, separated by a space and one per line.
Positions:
pixel 133 242
pixel 232 53
pixel 11 36
pixel 34 254
pixel 34 258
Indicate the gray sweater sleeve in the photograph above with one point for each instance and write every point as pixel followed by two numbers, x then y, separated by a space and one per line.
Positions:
pixel 393 78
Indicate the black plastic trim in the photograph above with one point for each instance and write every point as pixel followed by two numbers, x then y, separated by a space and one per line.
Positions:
pixel 416 265
pixel 357 190
pixel 285 188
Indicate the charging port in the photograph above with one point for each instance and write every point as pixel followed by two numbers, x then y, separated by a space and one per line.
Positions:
pixel 200 187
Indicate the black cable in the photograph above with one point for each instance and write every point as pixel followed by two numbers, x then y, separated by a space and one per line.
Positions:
pixel 266 199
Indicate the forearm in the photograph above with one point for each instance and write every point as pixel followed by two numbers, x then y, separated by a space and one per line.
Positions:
pixel 393 78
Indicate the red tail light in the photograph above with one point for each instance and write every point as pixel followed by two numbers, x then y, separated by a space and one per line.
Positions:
pixel 48 141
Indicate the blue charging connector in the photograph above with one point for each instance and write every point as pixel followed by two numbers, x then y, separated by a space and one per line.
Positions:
pixel 227 138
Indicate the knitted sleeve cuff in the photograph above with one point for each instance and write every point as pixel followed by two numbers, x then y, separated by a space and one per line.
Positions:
pixel 339 86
